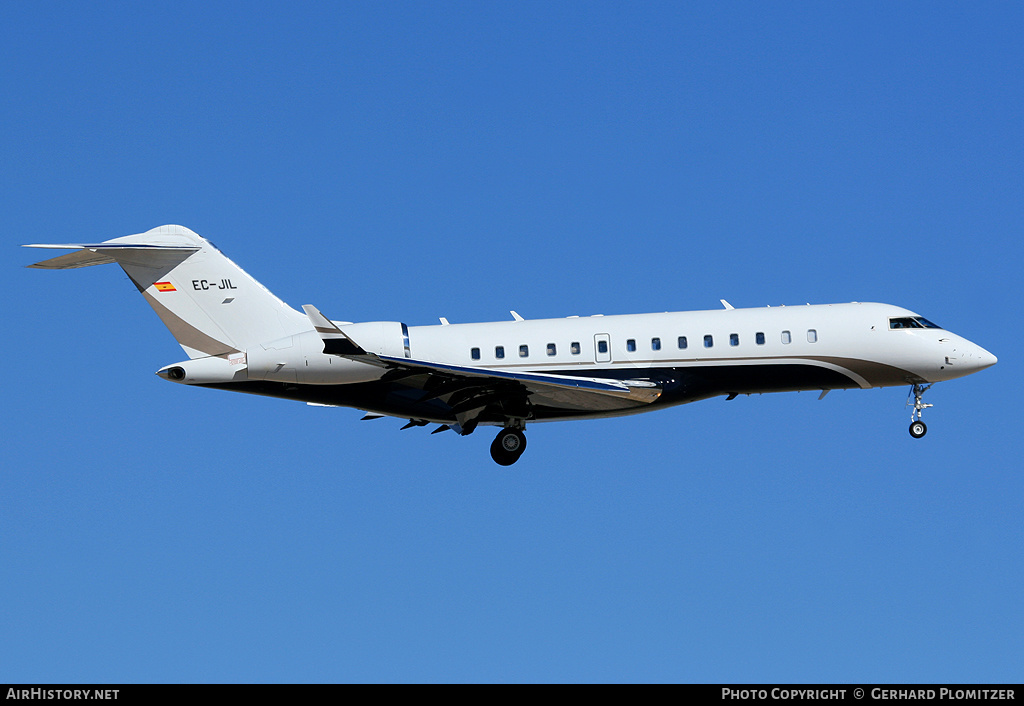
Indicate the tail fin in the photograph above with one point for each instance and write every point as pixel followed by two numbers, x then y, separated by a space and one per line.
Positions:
pixel 210 304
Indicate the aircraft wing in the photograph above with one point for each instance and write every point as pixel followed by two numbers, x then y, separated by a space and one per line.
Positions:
pixel 471 390
pixel 538 384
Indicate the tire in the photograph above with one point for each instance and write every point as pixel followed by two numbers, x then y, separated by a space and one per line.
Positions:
pixel 918 429
pixel 503 459
pixel 508 446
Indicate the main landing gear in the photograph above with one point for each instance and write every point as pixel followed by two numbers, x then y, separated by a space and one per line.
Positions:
pixel 918 427
pixel 508 446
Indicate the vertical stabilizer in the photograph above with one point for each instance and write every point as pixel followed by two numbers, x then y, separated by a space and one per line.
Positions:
pixel 210 304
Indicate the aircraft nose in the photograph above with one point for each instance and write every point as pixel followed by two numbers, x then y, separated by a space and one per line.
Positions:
pixel 977 358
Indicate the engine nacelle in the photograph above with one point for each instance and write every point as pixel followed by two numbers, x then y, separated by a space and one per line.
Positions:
pixel 301 358
pixel 201 371
pixel 296 359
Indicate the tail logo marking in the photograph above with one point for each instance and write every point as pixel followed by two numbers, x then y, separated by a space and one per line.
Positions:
pixel 164 287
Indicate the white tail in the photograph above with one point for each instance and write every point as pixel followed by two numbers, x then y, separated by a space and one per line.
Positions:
pixel 211 305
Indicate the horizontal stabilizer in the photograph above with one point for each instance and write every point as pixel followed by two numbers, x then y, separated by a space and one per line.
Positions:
pixel 88 254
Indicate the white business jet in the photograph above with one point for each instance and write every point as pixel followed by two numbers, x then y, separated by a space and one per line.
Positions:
pixel 239 336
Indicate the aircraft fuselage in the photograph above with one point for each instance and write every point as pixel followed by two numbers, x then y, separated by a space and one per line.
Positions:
pixel 240 337
pixel 692 355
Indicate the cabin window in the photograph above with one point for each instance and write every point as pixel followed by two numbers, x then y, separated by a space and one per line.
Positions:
pixel 655 344
pixel 602 346
pixel 631 345
pixel 682 342
pixel 524 351
pixel 474 353
pixel 499 351
pixel 574 347
pixel 759 338
pixel 551 349
pixel 734 339
pixel 709 341
pixel 812 335
pixel 787 337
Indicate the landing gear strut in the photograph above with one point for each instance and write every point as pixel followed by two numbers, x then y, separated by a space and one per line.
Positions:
pixel 918 427
pixel 508 446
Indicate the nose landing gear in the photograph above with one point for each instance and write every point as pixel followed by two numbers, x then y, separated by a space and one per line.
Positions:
pixel 508 446
pixel 918 427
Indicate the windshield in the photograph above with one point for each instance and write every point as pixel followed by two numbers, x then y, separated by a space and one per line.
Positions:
pixel 911 322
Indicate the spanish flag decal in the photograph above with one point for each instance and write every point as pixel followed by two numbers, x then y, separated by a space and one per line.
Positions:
pixel 164 287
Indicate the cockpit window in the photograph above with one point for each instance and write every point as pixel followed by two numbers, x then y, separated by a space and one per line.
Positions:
pixel 911 322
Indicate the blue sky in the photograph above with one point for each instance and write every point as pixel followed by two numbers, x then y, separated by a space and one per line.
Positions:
pixel 405 161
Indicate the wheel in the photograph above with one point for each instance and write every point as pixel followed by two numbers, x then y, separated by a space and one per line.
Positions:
pixel 918 429
pixel 508 446
pixel 512 441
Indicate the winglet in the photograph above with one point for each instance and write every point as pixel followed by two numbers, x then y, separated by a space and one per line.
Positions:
pixel 335 340
pixel 321 323
pixel 726 304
